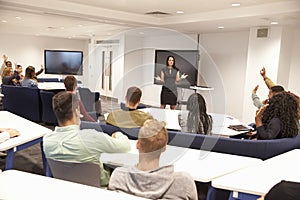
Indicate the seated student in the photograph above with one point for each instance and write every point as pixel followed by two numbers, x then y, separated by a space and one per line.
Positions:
pixel 6 133
pixel 9 78
pixel 286 190
pixel 272 91
pixel 270 84
pixel 147 179
pixel 196 120
pixel 68 143
pixel 70 83
pixel 129 116
pixel 29 80
pixel 18 71
pixel 278 119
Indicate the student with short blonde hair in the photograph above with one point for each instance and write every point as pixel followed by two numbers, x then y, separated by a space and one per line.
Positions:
pixel 148 179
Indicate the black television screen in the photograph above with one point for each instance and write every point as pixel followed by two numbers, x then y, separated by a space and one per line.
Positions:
pixel 63 62
pixel 185 60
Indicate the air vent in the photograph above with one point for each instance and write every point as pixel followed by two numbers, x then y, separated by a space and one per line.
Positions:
pixel 107 42
pixel 262 32
pixel 157 13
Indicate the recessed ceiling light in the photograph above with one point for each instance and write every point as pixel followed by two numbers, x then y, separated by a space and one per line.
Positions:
pixel 62 27
pixel 179 12
pixel 221 27
pixel 17 17
pixel 3 21
pixel 274 23
pixel 141 33
pixel 235 4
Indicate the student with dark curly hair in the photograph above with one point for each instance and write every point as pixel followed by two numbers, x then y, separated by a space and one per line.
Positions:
pixel 196 120
pixel 278 119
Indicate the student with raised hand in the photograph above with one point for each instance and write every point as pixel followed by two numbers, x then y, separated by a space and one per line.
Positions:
pixel 196 120
pixel 6 133
pixel 275 89
pixel 68 143
pixel 6 62
pixel 147 178
pixel 9 78
pixel 279 118
pixel 267 80
pixel 129 116
pixel 70 83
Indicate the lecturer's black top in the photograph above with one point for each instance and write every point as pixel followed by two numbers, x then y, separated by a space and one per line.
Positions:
pixel 168 94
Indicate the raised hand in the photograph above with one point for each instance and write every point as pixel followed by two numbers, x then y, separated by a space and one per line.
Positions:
pixel 255 89
pixel 157 78
pixel 263 72
pixel 183 76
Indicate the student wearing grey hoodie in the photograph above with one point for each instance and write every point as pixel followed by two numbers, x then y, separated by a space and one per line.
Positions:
pixel 147 179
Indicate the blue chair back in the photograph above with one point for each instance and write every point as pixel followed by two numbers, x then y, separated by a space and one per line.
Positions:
pixel 132 133
pixel 48 115
pixel 88 98
pixel 23 101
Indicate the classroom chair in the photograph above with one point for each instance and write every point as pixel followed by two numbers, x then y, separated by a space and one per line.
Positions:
pixel 86 173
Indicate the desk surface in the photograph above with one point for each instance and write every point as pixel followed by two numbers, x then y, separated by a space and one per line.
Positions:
pixel 51 86
pixel 258 179
pixel 203 166
pixel 22 185
pixel 28 130
pixel 220 121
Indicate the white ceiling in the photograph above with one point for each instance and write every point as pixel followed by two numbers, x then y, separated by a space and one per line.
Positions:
pixel 104 18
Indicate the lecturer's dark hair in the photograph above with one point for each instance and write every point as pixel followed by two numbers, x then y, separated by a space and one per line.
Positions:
pixel 174 65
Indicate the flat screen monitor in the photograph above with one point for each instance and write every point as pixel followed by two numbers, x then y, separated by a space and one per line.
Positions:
pixel 63 62
pixel 185 60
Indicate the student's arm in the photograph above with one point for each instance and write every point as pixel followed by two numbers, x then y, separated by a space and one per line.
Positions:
pixel 272 130
pixel 99 142
pixel 40 71
pixel 267 80
pixel 256 100
pixel 86 116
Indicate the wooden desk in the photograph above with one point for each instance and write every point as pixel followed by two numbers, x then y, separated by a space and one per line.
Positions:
pixel 203 166
pixel 258 179
pixel 17 185
pixel 31 134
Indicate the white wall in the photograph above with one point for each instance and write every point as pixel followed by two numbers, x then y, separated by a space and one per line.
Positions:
pixel 223 66
pixel 29 50
pixel 294 76
pixel 230 62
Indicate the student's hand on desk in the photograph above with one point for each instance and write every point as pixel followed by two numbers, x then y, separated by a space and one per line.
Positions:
pixel 12 132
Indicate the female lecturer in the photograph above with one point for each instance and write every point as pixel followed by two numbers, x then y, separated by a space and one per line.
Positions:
pixel 170 75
